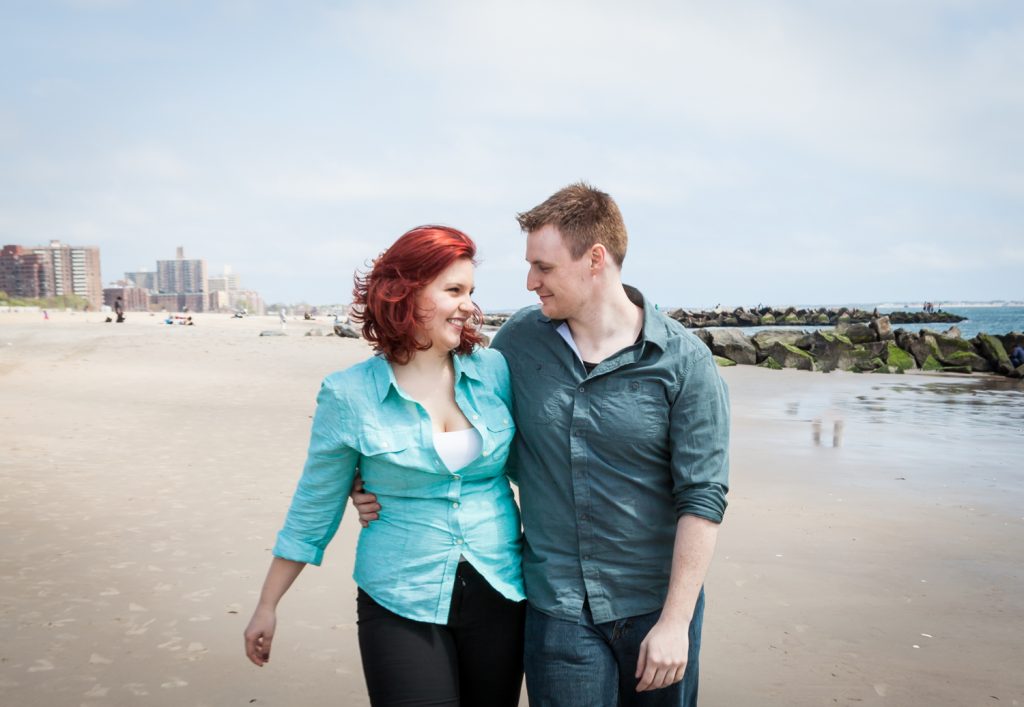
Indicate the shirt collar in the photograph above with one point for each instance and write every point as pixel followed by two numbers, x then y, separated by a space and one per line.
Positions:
pixel 384 374
pixel 654 329
pixel 466 366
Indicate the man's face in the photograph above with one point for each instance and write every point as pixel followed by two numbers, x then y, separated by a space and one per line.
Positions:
pixel 561 282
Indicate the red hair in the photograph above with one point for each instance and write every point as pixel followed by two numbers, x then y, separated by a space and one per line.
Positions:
pixel 384 298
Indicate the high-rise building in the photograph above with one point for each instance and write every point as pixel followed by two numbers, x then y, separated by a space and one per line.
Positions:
pixel 56 270
pixel 184 278
pixel 227 282
pixel 24 273
pixel 146 279
pixel 76 271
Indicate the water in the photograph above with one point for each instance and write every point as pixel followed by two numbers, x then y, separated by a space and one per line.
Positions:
pixel 962 430
pixel 990 320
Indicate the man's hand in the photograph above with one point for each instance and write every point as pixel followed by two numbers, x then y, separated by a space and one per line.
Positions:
pixel 364 503
pixel 663 655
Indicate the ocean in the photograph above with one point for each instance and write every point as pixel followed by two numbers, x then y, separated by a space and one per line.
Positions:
pixel 990 320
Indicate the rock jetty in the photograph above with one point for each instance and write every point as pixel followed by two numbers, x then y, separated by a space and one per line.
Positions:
pixel 822 316
pixel 871 347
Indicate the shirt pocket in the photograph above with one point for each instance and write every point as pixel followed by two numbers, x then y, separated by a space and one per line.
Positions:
pixel 633 410
pixel 500 428
pixel 373 443
pixel 547 399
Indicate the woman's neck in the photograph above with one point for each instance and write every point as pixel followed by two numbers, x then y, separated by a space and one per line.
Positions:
pixel 429 363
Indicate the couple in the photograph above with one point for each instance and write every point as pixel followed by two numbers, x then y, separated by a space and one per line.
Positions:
pixel 610 417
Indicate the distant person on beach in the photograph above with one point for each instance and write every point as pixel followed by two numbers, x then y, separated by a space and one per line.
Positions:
pixel 119 310
pixel 284 318
pixel 622 462
pixel 1017 356
pixel 428 423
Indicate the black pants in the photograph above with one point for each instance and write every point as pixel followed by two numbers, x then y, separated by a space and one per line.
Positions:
pixel 475 659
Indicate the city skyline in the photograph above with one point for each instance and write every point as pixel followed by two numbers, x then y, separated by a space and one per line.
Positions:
pixel 776 151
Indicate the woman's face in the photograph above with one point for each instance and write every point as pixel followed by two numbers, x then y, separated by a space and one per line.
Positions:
pixel 446 306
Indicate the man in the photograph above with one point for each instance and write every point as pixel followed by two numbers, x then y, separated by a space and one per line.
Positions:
pixel 622 465
pixel 1017 356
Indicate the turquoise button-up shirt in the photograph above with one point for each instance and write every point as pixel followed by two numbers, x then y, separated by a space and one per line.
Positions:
pixel 430 514
pixel 607 461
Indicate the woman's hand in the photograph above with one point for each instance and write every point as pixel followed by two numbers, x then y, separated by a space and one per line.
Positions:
pixel 259 635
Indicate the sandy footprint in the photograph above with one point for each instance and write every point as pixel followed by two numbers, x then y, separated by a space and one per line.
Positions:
pixel 136 688
pixel 40 665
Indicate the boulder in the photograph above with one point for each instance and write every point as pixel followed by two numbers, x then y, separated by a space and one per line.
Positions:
pixel 898 359
pixel 763 340
pixel 733 345
pixel 950 346
pixel 1017 372
pixel 746 318
pixel 862 360
pixel 953 331
pixel 346 332
pixel 968 359
pixel 882 328
pixel 789 356
pixel 918 346
pixel 724 362
pixel 704 335
pixel 770 363
pixel 767 319
pixel 991 348
pixel 932 364
pixel 831 351
pixel 856 332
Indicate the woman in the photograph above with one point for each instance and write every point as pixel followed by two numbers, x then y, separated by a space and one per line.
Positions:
pixel 428 423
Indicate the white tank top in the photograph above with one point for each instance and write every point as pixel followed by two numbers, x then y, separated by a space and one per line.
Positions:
pixel 458 448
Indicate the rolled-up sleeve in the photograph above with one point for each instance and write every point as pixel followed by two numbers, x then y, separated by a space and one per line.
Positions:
pixel 319 500
pixel 699 438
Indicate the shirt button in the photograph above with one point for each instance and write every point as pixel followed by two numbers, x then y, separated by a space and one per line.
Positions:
pixel 476 417
pixel 582 389
pixel 505 421
pixel 486 453
pixel 458 541
pixel 455 504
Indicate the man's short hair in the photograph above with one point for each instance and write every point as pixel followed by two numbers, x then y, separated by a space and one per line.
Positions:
pixel 584 216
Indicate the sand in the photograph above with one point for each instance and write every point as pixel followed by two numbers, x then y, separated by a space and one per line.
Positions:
pixel 146 468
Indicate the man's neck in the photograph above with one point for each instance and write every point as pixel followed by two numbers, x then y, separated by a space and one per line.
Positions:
pixel 608 324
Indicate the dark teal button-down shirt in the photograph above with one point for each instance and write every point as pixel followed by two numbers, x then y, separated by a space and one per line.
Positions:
pixel 608 462
pixel 431 515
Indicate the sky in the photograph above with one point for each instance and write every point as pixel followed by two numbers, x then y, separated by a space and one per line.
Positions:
pixel 761 151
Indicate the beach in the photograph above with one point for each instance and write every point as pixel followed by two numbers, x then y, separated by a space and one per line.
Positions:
pixel 870 555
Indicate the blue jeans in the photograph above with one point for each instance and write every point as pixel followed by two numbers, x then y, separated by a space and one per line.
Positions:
pixel 586 664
